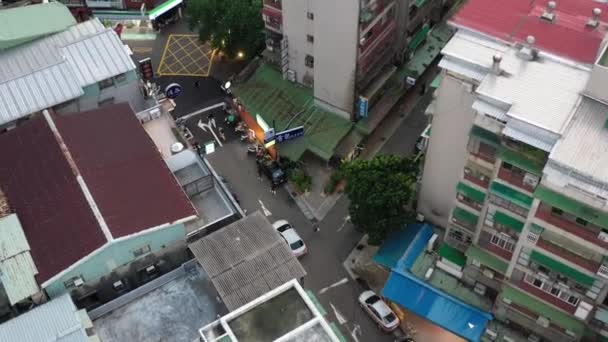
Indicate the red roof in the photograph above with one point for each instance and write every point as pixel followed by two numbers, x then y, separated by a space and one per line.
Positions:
pixel 514 20
pixel 130 183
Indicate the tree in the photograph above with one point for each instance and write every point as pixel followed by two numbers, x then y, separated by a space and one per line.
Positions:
pixel 380 191
pixel 232 26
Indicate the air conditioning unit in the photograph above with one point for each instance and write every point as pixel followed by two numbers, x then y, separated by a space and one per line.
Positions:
pixel 78 282
pixel 459 196
pixel 480 289
pixel 603 236
pixel 508 339
pixel 118 285
pixel 488 274
pixel 491 334
pixel 506 300
pixel 419 217
pixel 291 75
pixel 543 322
pixel 429 273
pixel 150 269
pixel 531 180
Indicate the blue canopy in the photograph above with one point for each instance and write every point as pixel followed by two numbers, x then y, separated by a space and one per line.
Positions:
pixel 396 245
pixel 440 308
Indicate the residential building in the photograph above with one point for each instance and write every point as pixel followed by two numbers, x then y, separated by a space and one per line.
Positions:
pixel 346 52
pixel 515 165
pixel 286 313
pixel 61 65
pixel 58 321
pixel 99 208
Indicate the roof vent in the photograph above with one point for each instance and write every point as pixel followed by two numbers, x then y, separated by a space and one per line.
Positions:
pixel 496 59
pixel 528 52
pixel 594 21
pixel 548 14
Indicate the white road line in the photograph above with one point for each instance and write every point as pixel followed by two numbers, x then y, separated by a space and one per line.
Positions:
pixel 346 219
pixel 339 316
pixel 338 283
pixel 356 331
pixel 266 211
pixel 210 126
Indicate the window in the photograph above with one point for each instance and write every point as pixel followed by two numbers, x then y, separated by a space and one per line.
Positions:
pixel 310 38
pixel 552 288
pixel 107 83
pixel 310 16
pixel 507 166
pixel 141 251
pixel 581 221
pixel 309 61
pixel 73 282
pixel 120 78
pixel 503 241
pixel 556 211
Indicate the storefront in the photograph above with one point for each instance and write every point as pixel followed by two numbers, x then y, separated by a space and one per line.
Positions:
pixel 166 13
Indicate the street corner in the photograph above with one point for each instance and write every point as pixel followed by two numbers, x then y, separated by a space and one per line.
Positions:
pixel 184 55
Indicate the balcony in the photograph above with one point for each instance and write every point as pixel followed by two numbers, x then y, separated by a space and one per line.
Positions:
pixel 370 11
pixel 576 259
pixel 476 178
pixel 526 319
pixel 273 20
pixel 485 244
pixel 379 35
pixel 274 4
pixel 589 233
pixel 538 293
pixel 516 178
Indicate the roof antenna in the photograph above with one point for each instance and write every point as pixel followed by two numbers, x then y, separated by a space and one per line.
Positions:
pixel 548 14
pixel 594 21
pixel 496 59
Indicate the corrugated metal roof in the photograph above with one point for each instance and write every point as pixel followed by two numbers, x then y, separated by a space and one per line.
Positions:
pixel 12 239
pixel 55 321
pixel 98 57
pixel 531 135
pixel 246 259
pixel 584 146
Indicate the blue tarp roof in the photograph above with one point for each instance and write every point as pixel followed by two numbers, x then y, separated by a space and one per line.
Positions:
pixel 415 248
pixel 395 246
pixel 436 306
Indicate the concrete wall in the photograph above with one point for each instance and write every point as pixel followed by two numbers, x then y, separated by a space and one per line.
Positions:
pixel 119 254
pixel 446 154
pixel 296 26
pixel 336 54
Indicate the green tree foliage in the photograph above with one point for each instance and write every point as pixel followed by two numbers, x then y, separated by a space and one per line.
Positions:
pixel 380 191
pixel 231 26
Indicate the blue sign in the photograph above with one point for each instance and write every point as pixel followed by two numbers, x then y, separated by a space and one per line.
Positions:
pixel 173 90
pixel 269 135
pixel 290 134
pixel 363 106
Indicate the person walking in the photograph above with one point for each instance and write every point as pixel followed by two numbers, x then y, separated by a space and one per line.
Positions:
pixel 316 227
pixel 196 84
pixel 222 135
pixel 273 189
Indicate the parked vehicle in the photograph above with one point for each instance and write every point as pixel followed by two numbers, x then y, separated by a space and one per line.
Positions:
pixel 272 170
pixel 379 311
pixel 291 237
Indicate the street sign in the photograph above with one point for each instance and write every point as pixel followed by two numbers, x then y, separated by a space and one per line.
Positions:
pixel 173 90
pixel 145 67
pixel 363 106
pixel 290 134
pixel 269 135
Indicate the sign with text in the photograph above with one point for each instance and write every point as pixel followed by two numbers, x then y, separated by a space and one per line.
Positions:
pixel 269 135
pixel 290 134
pixel 146 70
pixel 173 90
pixel 363 106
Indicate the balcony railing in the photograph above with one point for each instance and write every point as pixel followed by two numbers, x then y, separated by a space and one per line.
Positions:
pixel 589 232
pixel 380 34
pixel 492 248
pixel 272 19
pixel 276 4
pixel 538 293
pixel 576 259
pixel 527 319
pixel 483 182
pixel 515 178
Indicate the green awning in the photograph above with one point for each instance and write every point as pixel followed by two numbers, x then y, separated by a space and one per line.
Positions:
pixel 511 194
pixel 436 81
pixel 471 192
pixel 487 259
pixel 419 37
pixel 563 269
pixel 452 254
pixel 521 161
pixel 571 206
pixel 557 317
pixel 465 216
pixel 419 3
pixel 485 135
pixel 508 221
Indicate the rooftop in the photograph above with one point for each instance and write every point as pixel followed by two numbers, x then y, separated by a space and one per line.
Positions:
pixel 172 312
pixel 512 21
pixel 286 312
pixel 246 259
pixel 131 186
pixel 58 320
pixel 278 100
pixel 26 23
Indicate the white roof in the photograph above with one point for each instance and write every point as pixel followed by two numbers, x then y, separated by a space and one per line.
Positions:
pixel 55 321
pixel 543 93
pixel 53 70
pixel 584 146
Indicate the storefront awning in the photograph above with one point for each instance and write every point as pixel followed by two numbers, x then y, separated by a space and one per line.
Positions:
pixel 163 8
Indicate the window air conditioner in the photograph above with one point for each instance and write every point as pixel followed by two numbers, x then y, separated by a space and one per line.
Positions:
pixel 118 285
pixel 78 282
pixel 488 274
pixel 508 339
pixel 543 322
pixel 491 334
pixel 150 269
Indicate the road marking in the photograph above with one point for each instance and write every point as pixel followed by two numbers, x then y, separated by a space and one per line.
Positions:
pixel 338 283
pixel 339 316
pixel 210 126
pixel 346 220
pixel 356 331
pixel 266 211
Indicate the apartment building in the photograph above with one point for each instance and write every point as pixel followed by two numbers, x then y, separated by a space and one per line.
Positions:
pixel 515 168
pixel 353 54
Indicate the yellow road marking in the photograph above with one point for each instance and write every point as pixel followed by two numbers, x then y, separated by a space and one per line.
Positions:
pixel 194 61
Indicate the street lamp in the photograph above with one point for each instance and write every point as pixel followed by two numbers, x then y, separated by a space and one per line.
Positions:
pixel 240 54
pixel 227 85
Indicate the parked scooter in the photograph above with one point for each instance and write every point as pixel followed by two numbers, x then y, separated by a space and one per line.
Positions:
pixel 241 127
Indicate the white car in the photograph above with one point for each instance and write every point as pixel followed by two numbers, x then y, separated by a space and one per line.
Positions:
pixel 379 311
pixel 291 237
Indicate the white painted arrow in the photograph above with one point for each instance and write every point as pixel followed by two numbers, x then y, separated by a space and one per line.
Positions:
pixel 206 126
pixel 266 211
pixel 346 219
pixel 356 332
pixel 339 316
pixel 338 283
